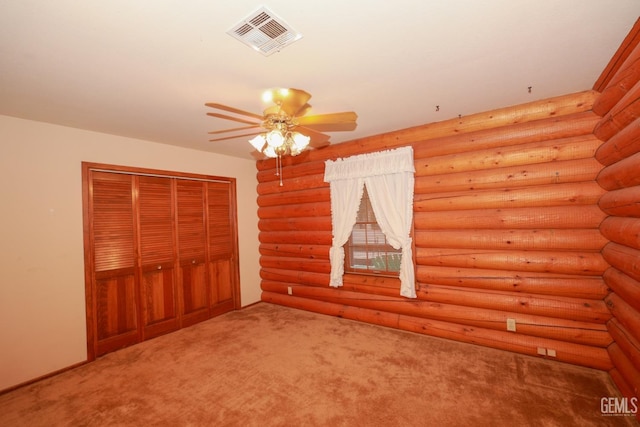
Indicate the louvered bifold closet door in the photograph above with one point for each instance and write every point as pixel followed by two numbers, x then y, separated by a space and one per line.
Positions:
pixel 114 273
pixel 192 254
pixel 161 252
pixel 221 246
pixel 157 255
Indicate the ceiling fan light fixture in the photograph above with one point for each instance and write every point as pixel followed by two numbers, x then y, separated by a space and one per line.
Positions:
pixel 275 95
pixel 300 141
pixel 258 142
pixel 280 123
pixel 275 138
pixel 270 152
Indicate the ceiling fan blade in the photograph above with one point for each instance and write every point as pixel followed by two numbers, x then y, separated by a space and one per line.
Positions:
pixel 235 136
pixel 333 127
pixel 213 132
pixel 303 110
pixel 289 100
pixel 235 119
pixel 335 122
pixel 233 110
pixel 345 117
pixel 318 139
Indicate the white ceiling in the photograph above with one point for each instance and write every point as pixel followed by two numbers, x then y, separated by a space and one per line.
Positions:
pixel 145 68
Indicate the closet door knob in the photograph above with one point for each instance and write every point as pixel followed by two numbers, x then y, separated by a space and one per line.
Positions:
pixel 159 267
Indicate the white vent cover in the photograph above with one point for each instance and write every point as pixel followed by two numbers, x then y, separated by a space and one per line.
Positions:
pixel 265 32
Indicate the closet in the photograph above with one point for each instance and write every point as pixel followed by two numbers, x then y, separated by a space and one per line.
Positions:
pixel 161 252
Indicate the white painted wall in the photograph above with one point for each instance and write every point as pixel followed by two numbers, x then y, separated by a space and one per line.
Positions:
pixel 42 313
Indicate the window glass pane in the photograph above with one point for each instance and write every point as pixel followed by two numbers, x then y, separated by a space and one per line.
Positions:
pixel 362 214
pixel 367 249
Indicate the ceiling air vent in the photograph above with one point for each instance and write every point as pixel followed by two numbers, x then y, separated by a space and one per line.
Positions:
pixel 265 32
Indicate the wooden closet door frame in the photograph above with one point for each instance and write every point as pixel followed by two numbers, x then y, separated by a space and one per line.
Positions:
pixel 89 266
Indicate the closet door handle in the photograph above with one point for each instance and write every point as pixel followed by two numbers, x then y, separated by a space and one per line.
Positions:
pixel 159 267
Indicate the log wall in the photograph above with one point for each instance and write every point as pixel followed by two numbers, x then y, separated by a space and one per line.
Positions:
pixel 619 129
pixel 506 226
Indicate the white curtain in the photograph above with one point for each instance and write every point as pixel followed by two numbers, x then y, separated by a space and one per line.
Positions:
pixel 389 177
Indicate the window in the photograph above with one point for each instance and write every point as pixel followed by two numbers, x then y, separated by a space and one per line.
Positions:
pixel 367 250
pixel 389 179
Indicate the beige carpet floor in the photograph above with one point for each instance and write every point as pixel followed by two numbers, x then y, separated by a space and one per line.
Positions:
pixel 268 365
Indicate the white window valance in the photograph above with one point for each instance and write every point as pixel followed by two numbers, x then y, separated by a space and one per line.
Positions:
pixel 370 164
pixel 389 178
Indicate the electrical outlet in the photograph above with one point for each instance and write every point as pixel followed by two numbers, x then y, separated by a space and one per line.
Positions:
pixel 511 325
pixel 289 290
pixel 551 353
pixel 542 351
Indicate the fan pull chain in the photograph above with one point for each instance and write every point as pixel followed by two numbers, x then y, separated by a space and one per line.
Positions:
pixel 279 167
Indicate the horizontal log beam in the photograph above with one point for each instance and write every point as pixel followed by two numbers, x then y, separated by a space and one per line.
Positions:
pixel 625 341
pixel 621 115
pixel 583 287
pixel 290 183
pixel 535 239
pixel 319 223
pixel 625 367
pixel 568 330
pixel 624 387
pixel 311 167
pixel 368 284
pixel 623 258
pixel 621 59
pixel 310 194
pixel 587 264
pixel 553 118
pixel 621 83
pixel 614 94
pixel 555 217
pixel 593 311
pixel 624 202
pixel 296 264
pixel 509 177
pixel 295 277
pixel 587 287
pixel 625 314
pixel 532 111
pixel 625 231
pixel 313 188
pixel 620 146
pixel 579 125
pixel 593 357
pixel 580 147
pixel 575 125
pixel 621 174
pixel 627 288
pixel 295 211
pixel 296 250
pixel 559 307
pixel 582 193
pixel 306 237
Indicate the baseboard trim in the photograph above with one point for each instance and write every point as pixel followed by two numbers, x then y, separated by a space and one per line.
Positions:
pixel 43 377
pixel 68 368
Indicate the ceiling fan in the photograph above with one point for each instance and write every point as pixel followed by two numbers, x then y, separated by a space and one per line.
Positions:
pixel 283 128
